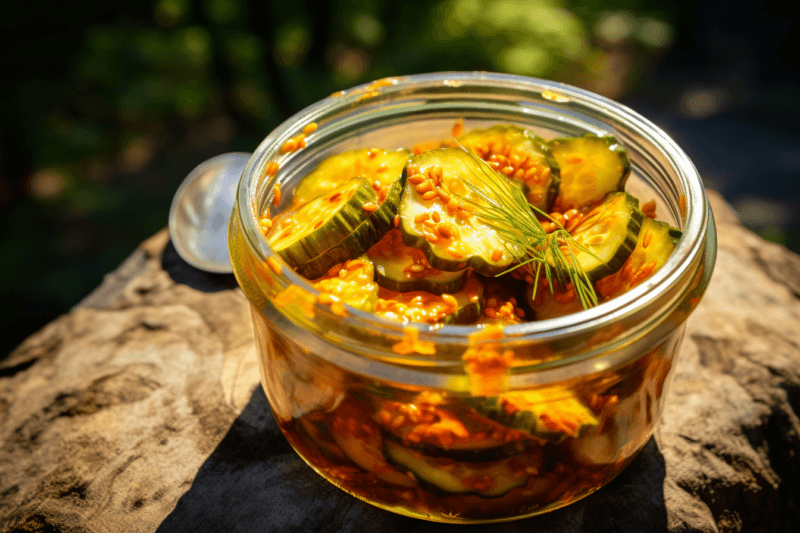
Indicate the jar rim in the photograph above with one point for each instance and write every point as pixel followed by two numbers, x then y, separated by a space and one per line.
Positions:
pixel 690 247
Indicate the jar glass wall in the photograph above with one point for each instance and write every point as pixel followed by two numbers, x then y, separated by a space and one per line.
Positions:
pixel 417 434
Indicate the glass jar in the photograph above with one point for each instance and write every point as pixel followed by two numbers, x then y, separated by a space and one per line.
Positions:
pixel 418 434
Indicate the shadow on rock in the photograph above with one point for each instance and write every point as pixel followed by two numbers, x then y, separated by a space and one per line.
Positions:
pixel 254 482
pixel 182 272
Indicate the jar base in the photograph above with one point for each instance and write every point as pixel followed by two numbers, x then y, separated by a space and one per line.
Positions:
pixel 416 502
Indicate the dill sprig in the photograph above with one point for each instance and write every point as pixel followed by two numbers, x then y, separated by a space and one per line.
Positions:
pixel 504 208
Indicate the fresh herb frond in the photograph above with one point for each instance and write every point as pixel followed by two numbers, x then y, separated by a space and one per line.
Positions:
pixel 568 270
pixel 503 205
pixel 505 209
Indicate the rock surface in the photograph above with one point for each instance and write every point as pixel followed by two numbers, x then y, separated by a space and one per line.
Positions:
pixel 141 411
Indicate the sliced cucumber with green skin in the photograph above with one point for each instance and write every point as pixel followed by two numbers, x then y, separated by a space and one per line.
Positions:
pixel 520 155
pixel 649 259
pixel 591 167
pixel 392 274
pixel 490 480
pixel 656 242
pixel 545 304
pixel 298 235
pixel 317 431
pixel 355 244
pixel 401 268
pixel 383 217
pixel 479 452
pixel 360 439
pixel 361 238
pixel 660 239
pixel 553 413
pixel 383 166
pixel 439 431
pixel 428 307
pixel 609 232
pixel 470 303
pixel 474 242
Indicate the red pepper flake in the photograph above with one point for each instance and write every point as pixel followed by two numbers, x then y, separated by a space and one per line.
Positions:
pixel 411 343
pixel 487 368
pixel 272 168
pixel 570 427
pixel 489 333
pixel 458 128
pixel 276 194
pixel 325 298
pixel 289 146
pixel 649 208
pixel 444 231
pixel 273 264
pixel 295 296
pixel 338 309
pixel 643 273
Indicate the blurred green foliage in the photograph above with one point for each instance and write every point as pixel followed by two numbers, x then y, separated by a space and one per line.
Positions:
pixel 108 107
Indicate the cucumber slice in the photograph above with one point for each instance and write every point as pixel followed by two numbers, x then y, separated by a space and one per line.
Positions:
pixel 362 238
pixel 618 433
pixel 467 241
pixel 591 167
pixel 354 245
pixel 357 435
pixel 383 217
pixel 383 166
pixel 643 262
pixel 480 451
pixel 521 156
pixel 609 232
pixel 552 413
pixel 491 480
pixel 656 242
pixel 401 268
pixel 547 304
pixel 317 432
pixel 439 431
pixel 300 234
pixel 420 306
pixel 352 283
